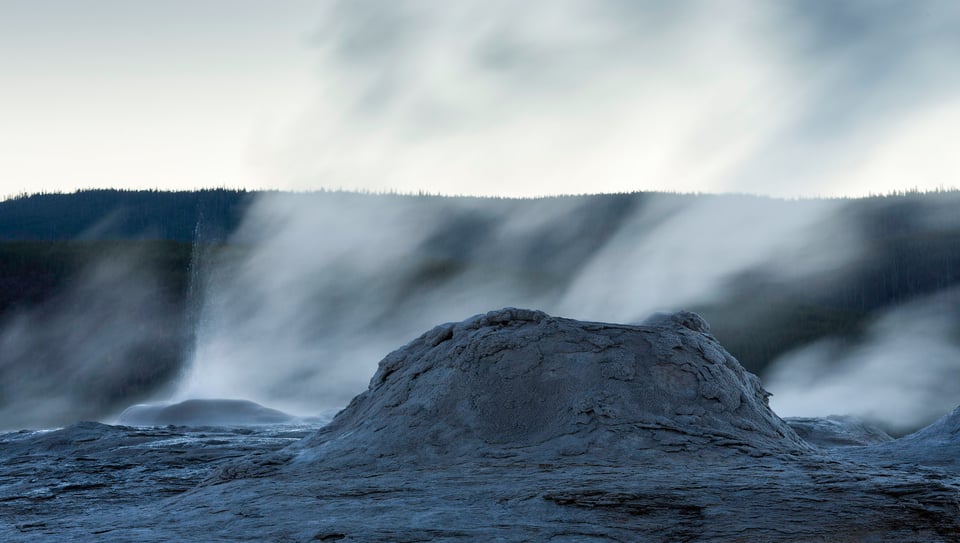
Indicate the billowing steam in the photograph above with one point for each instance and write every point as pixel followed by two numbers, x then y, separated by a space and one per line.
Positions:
pixel 322 286
pixel 113 334
pixel 904 374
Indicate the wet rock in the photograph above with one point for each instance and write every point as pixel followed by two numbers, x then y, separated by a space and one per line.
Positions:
pixel 75 483
pixel 936 445
pixel 203 413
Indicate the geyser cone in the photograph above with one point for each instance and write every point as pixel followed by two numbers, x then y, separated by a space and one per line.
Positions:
pixel 520 383
pixel 203 412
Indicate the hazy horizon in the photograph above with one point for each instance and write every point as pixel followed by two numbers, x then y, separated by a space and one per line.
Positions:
pixel 906 191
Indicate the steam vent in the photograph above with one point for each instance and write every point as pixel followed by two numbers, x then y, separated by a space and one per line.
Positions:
pixel 516 426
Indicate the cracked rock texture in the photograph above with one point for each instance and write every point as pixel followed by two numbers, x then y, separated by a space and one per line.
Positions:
pixel 521 384
pixel 509 426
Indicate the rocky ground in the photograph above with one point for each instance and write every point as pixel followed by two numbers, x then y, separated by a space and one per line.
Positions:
pixel 510 426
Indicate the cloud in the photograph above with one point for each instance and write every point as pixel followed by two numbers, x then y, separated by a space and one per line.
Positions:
pixel 583 96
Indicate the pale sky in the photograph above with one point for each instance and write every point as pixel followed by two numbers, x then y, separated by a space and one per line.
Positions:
pixel 493 97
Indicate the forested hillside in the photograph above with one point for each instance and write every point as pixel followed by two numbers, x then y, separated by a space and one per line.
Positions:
pixel 119 270
pixel 95 291
pixel 122 214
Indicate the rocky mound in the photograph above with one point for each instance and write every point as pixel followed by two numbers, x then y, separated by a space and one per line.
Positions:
pixel 203 413
pixel 944 431
pixel 935 445
pixel 510 426
pixel 521 383
pixel 837 431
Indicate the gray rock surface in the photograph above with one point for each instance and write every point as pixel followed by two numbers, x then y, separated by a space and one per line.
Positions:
pixel 837 431
pixel 510 426
pixel 87 480
pixel 936 445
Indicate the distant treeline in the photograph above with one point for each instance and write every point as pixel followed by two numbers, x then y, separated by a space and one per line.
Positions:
pixel 122 215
